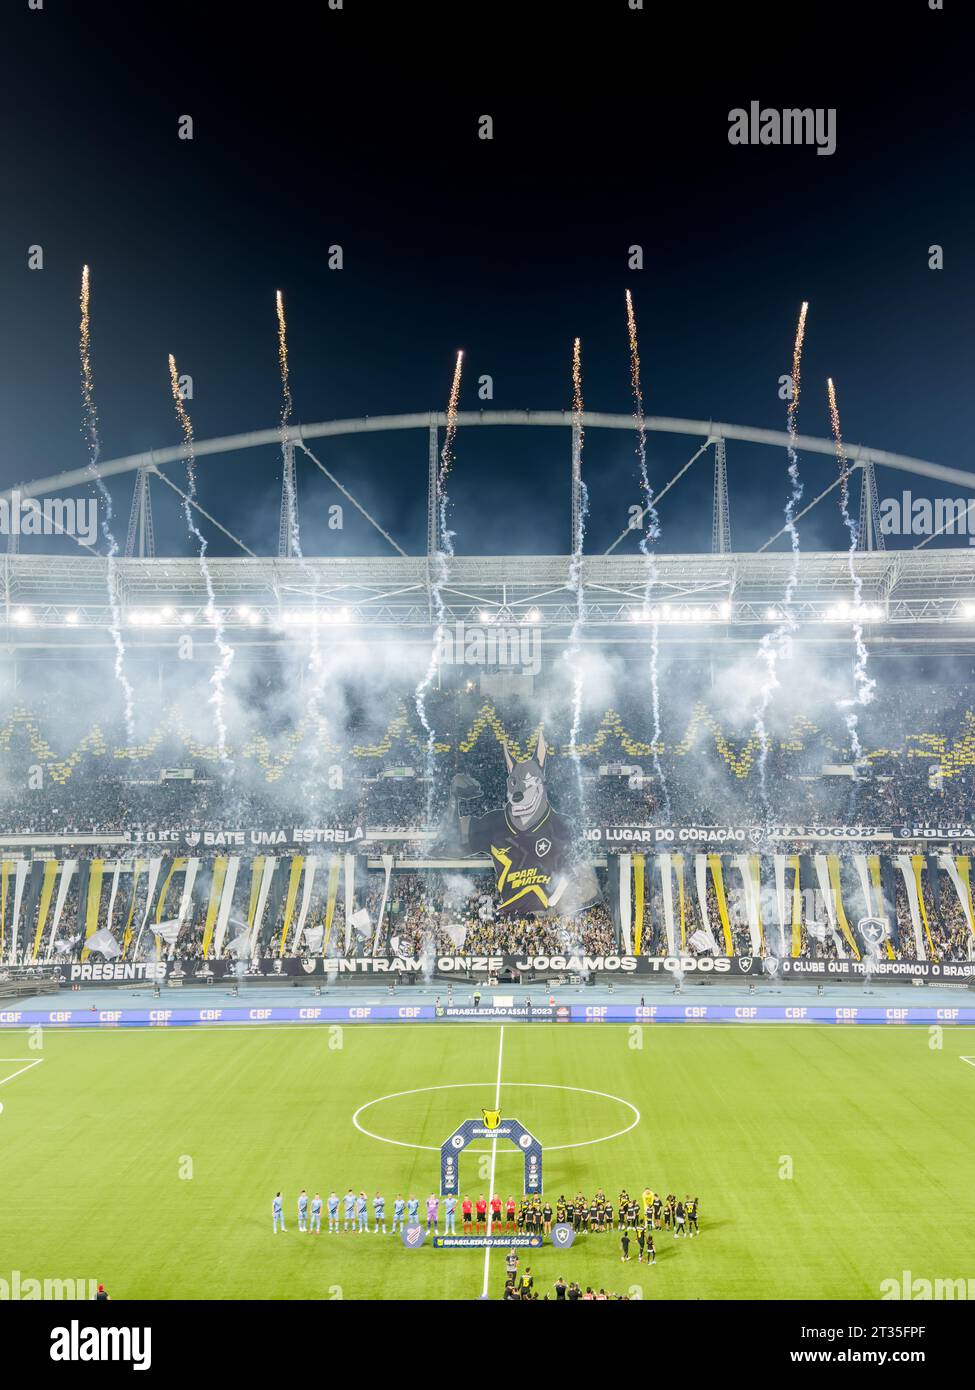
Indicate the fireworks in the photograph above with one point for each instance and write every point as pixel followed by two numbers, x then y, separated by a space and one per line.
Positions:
pixel 447 457
pixel 580 511
pixel 222 669
pixel 316 663
pixel 286 405
pixel 777 643
pixel 286 409
pixel 648 537
pixel 87 376
pixel 793 411
pixel 795 495
pixel 90 429
pixel 864 686
pixel 438 578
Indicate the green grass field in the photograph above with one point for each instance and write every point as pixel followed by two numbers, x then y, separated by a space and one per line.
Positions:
pixel 95 1142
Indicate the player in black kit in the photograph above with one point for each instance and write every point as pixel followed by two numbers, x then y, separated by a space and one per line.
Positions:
pixel 690 1206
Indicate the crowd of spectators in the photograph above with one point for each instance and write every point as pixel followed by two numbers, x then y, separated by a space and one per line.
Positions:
pixel 918 770
pixel 917 767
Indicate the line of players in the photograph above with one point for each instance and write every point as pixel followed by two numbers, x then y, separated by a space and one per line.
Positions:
pixel 530 1216
pixel 535 1215
pixel 355 1209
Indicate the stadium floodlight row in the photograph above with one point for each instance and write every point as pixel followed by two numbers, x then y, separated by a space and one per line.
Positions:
pixel 45 599
pixel 906 596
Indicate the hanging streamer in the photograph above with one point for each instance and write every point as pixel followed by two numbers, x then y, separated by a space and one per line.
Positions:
pixel 4 880
pixel 714 862
pixel 701 883
pixel 21 870
pixel 639 901
pixel 796 907
pixel 910 885
pixel 64 883
pixel 822 874
pixel 155 868
pixel 349 897
pixel 778 865
pixel 113 894
pixel 334 869
pixel 213 904
pixel 267 873
pixel 139 865
pixel 311 865
pixel 833 866
pixel 678 861
pixel 663 860
pixel 294 878
pixel 186 897
pixel 624 871
pixel 917 864
pixel 226 903
pixel 93 901
pixel 745 867
pixel 959 871
pixel 387 871
pixel 47 891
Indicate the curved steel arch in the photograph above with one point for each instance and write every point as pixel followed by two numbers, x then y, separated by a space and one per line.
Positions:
pixel 856 454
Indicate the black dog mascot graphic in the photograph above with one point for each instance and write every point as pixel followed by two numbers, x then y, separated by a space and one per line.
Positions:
pixel 531 845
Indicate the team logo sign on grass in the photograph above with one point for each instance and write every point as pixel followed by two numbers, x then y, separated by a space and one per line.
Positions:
pixel 562 1235
pixel 413 1236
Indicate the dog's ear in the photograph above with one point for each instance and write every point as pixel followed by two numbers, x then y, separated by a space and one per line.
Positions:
pixel 509 761
pixel 542 750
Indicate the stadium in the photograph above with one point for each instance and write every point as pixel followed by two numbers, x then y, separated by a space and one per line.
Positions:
pixel 277 876
pixel 487 651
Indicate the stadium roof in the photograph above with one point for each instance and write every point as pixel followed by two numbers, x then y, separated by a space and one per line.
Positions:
pixel 906 596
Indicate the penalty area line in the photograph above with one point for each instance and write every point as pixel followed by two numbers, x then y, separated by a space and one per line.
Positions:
pixel 31 1062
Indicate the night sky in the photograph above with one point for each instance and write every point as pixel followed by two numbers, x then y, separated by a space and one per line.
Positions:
pixel 360 127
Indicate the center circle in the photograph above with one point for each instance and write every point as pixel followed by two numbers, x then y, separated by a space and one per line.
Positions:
pixel 489 1088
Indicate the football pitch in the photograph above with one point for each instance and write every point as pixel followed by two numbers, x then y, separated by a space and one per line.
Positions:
pixel 826 1159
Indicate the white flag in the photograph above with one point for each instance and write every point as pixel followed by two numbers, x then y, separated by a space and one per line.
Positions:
pixel 104 942
pixel 167 931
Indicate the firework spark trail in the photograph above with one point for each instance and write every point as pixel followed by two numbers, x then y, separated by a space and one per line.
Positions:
pixel 779 642
pixel 864 684
pixel 438 578
pixel 221 670
pixel 286 409
pixel 316 663
pixel 90 429
pixel 573 653
pixel 648 539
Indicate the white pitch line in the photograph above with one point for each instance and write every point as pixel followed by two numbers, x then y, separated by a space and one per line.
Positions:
pixel 36 1062
pixel 494 1159
pixel 969 1060
pixel 512 1086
